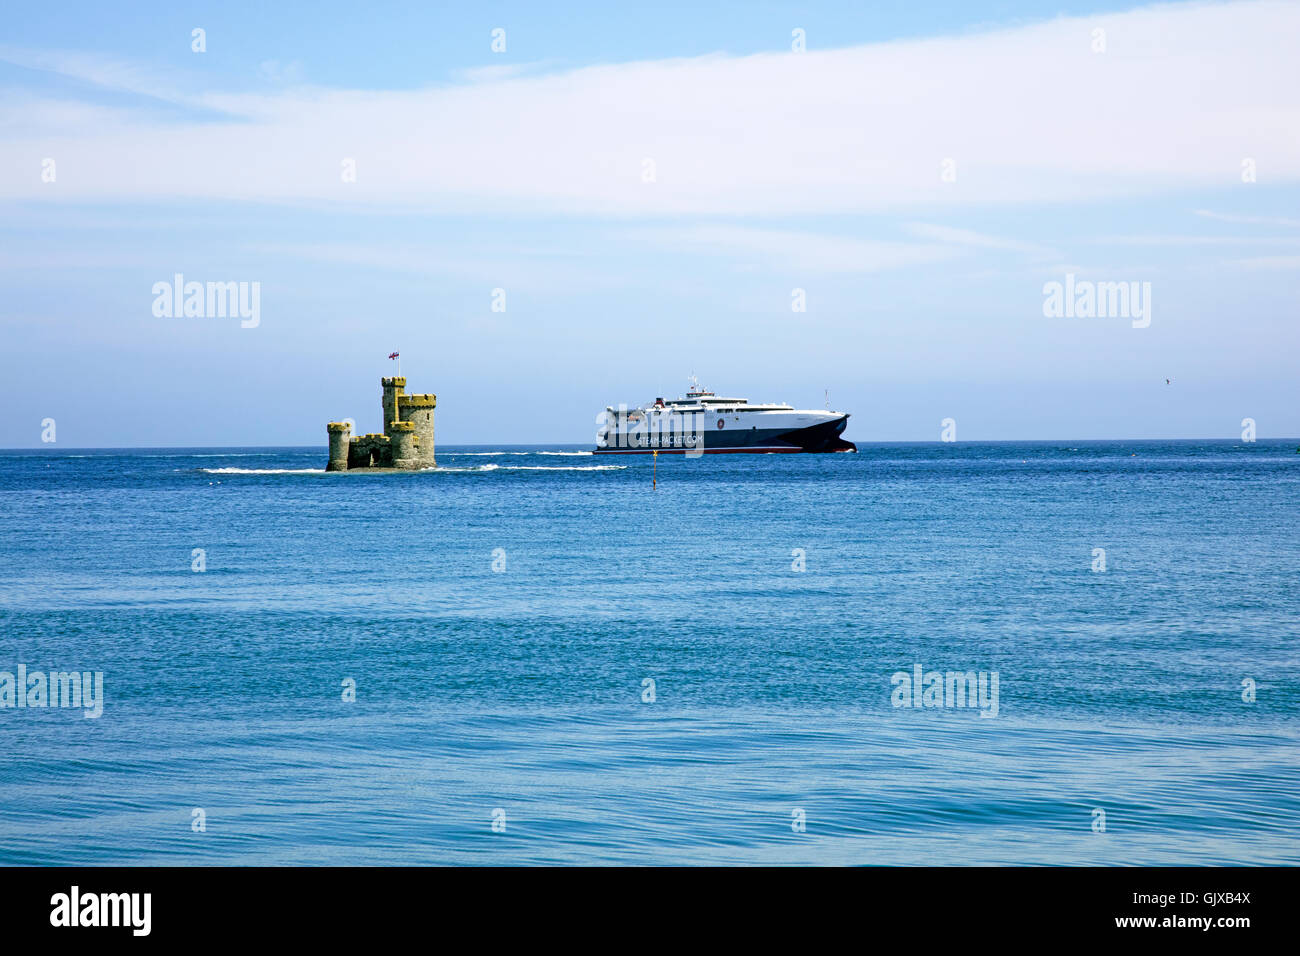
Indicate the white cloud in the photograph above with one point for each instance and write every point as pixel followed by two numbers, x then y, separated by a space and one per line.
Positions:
pixel 980 240
pixel 796 251
pixel 498 265
pixel 496 72
pixel 1283 263
pixel 275 71
pixel 1248 220
pixel 97 70
pixel 1191 240
pixel 1182 94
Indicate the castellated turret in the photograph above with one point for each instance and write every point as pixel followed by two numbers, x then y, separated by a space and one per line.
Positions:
pixel 392 394
pixel 418 410
pixel 340 439
pixel 406 441
pixel 402 439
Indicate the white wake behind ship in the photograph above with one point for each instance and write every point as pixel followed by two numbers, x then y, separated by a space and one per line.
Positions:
pixel 701 422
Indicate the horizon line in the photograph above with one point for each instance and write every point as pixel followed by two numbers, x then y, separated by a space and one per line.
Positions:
pixel 965 441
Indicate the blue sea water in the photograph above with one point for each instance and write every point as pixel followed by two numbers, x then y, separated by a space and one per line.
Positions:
pixel 501 617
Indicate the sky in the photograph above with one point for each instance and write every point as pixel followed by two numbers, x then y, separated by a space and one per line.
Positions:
pixel 551 208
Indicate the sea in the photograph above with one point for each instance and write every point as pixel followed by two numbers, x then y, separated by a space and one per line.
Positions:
pixel 536 655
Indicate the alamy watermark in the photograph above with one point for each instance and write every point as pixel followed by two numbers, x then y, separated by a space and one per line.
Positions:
pixel 38 689
pixel 75 908
pixel 652 429
pixel 922 688
pixel 208 300
pixel 1085 299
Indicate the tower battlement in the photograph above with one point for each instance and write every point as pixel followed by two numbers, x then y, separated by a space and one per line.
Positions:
pixel 418 401
pixel 406 441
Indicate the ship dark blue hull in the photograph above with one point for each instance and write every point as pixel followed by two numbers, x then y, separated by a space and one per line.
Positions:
pixel 819 438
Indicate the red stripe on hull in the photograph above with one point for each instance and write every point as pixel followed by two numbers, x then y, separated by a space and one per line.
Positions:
pixel 706 451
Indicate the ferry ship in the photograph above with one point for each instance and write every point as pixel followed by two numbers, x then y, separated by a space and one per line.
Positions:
pixel 704 423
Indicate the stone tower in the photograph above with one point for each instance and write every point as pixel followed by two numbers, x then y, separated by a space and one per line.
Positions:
pixel 402 436
pixel 340 441
pixel 392 393
pixel 418 410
